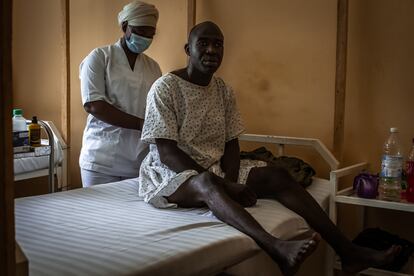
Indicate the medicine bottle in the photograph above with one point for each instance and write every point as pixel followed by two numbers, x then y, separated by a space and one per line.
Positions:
pixel 34 133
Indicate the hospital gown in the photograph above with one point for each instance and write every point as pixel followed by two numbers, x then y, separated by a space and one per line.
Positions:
pixel 201 119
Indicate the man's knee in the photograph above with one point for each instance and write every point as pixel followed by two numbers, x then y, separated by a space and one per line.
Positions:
pixel 265 174
pixel 280 173
pixel 205 183
pixel 271 177
pixel 193 192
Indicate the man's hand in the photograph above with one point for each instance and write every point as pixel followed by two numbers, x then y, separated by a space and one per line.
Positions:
pixel 241 193
pixel 230 161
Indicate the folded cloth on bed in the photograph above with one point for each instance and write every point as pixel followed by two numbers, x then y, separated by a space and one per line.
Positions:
pixel 107 230
pixel 301 171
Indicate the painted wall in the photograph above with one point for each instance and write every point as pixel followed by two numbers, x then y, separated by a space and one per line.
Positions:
pixel 380 87
pixel 37 58
pixel 380 90
pixel 280 60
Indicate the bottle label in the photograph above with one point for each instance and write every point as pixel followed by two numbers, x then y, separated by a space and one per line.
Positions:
pixel 34 136
pixel 20 138
pixel 391 166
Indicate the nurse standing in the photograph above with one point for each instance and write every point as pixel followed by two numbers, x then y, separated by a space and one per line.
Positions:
pixel 115 80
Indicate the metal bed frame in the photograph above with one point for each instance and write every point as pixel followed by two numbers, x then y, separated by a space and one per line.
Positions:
pixel 51 132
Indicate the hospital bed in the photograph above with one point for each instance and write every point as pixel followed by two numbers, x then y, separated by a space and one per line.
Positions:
pixel 107 230
pixel 51 165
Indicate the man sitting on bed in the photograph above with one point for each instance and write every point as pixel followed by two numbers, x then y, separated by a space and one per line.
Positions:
pixel 192 124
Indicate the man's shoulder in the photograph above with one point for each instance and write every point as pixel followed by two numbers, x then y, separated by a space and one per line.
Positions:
pixel 164 89
pixel 166 80
pixel 219 81
pixel 166 84
pixel 222 85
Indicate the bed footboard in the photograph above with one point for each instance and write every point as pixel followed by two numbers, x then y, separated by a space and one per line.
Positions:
pixel 328 157
pixel 281 141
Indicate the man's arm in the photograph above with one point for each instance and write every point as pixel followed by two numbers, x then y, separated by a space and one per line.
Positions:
pixel 230 162
pixel 177 160
pixel 111 115
pixel 174 158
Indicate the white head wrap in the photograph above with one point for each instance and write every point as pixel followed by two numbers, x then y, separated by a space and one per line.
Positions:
pixel 139 13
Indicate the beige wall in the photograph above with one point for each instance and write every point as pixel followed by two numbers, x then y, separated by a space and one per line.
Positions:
pixel 380 89
pixel 280 59
pixel 37 58
pixel 380 85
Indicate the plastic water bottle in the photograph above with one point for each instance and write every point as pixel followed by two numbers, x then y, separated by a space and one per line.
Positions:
pixel 410 175
pixel 20 131
pixel 391 168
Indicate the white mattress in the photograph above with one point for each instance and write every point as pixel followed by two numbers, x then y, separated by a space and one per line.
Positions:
pixel 29 164
pixel 108 230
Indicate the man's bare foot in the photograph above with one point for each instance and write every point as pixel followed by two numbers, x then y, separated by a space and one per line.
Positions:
pixel 289 255
pixel 361 258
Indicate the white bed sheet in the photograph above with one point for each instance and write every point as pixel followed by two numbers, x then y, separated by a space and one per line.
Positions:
pixel 30 164
pixel 108 230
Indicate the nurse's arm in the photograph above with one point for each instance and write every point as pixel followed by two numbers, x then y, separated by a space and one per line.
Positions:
pixel 113 116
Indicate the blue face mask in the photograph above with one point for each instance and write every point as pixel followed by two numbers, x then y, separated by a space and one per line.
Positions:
pixel 138 44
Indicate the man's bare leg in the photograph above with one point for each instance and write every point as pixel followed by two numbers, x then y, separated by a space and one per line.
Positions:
pixel 271 182
pixel 204 189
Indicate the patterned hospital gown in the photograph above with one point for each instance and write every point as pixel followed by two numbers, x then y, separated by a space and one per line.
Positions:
pixel 200 118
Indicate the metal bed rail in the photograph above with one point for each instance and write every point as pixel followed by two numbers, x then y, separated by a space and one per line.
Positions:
pixel 51 139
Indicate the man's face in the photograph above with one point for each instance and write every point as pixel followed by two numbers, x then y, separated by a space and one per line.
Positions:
pixel 205 48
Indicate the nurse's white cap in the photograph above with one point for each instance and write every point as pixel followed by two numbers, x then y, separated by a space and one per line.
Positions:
pixel 139 13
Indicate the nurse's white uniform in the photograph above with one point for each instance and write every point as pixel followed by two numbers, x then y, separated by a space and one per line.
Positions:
pixel 106 75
